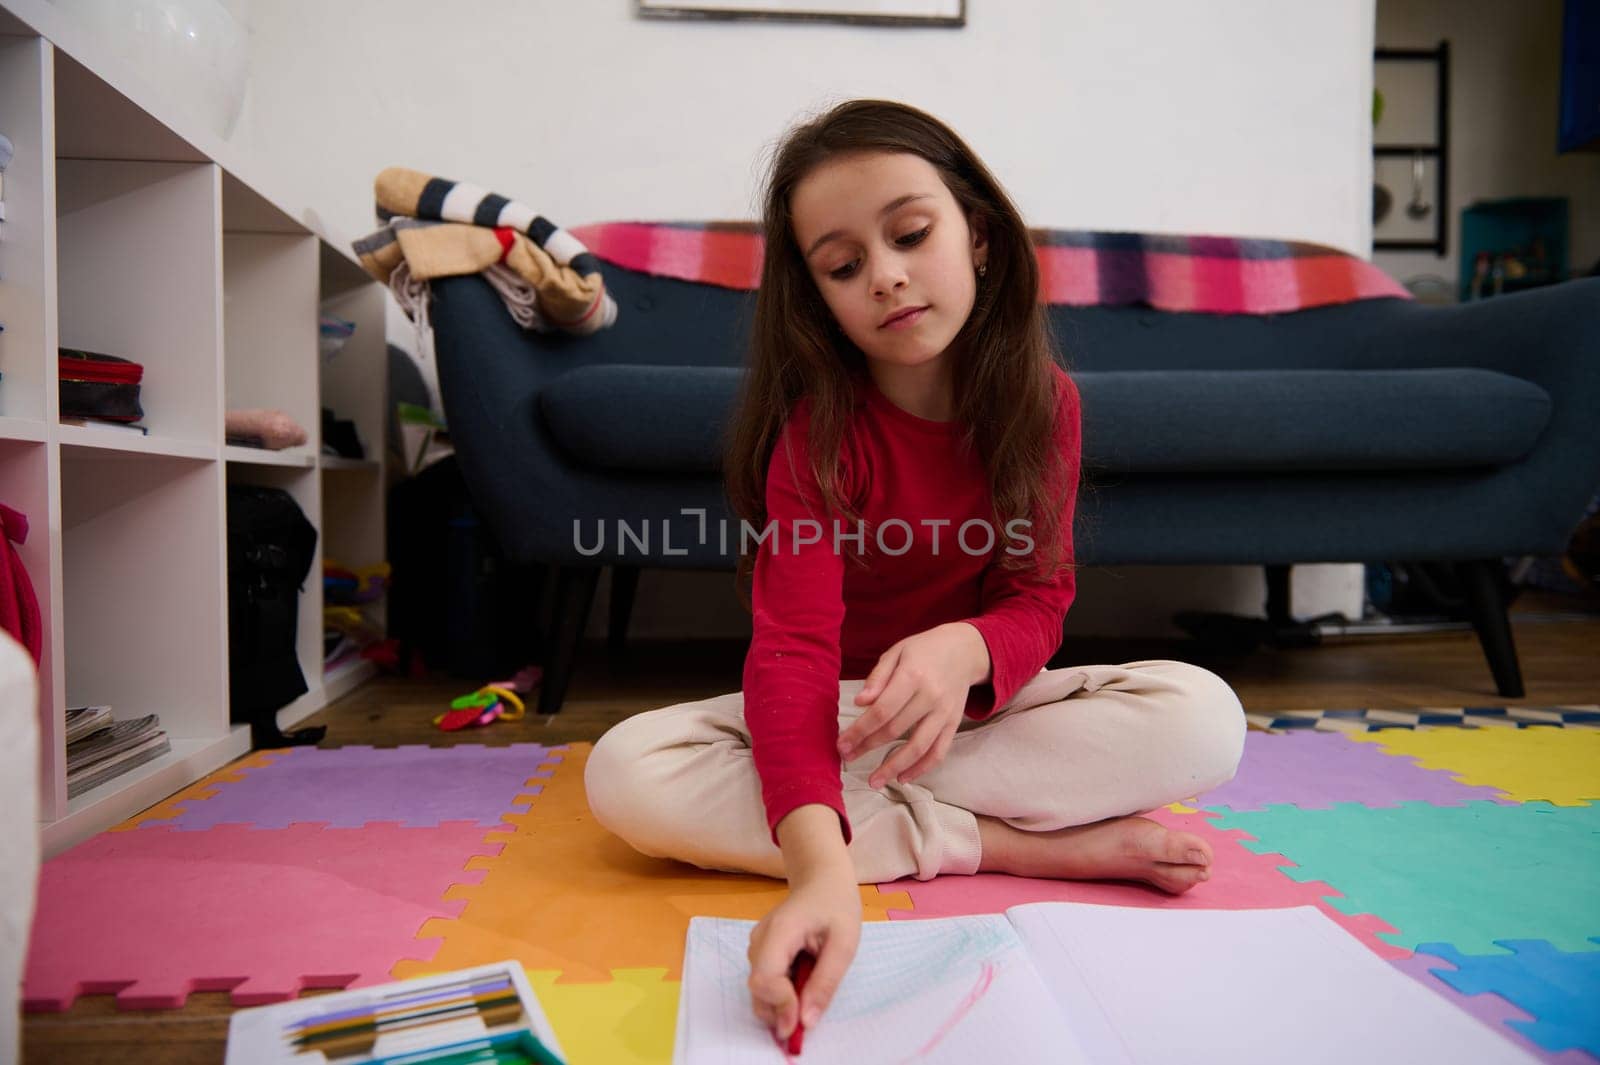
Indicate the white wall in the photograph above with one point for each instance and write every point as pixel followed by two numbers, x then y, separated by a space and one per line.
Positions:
pixel 1505 82
pixel 1246 117
pixel 1249 116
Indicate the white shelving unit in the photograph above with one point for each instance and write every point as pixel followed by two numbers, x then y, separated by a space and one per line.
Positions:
pixel 129 233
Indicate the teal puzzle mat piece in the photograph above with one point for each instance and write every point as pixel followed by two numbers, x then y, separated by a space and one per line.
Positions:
pixel 1468 875
pixel 1559 990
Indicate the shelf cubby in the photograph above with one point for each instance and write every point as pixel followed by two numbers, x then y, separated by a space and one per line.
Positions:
pixel 29 486
pixel 139 278
pixel 145 603
pixel 354 385
pixel 270 316
pixel 270 283
pixel 144 616
pixel 302 485
pixel 96 120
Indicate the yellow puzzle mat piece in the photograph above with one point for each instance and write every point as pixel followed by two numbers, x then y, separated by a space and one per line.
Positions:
pixel 629 1020
pixel 204 788
pixel 1560 766
pixel 567 895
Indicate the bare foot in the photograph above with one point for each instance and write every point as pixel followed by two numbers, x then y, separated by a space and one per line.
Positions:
pixel 1123 848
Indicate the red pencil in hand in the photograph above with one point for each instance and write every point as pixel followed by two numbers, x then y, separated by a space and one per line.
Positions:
pixel 799 973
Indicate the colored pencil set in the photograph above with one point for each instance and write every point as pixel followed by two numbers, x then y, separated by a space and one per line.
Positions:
pixel 483 1015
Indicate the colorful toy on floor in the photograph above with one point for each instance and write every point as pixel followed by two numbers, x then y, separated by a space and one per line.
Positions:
pixel 501 699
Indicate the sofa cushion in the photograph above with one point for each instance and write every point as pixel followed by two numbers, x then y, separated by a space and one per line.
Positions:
pixel 670 419
pixel 1218 421
pixel 647 419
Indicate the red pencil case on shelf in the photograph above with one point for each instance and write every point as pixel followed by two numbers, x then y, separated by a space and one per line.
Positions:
pixel 94 385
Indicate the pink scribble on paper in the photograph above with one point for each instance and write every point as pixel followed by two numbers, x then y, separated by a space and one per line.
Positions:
pixel 981 988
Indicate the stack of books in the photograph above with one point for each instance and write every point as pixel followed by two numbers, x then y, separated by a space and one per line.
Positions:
pixel 99 748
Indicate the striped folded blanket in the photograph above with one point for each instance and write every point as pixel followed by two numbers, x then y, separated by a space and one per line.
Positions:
pixel 1201 274
pixel 434 227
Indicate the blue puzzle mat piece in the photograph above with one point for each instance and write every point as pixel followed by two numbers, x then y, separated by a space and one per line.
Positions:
pixel 1561 991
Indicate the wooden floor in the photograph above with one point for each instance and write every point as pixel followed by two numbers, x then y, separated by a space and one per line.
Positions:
pixel 1560 662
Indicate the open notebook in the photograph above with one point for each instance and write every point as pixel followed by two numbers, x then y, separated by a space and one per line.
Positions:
pixel 1091 985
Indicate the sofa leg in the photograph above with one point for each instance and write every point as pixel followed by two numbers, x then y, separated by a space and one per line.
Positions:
pixel 1278 610
pixel 1487 602
pixel 624 583
pixel 575 587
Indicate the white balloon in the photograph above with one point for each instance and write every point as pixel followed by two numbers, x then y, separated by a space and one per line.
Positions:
pixel 196 52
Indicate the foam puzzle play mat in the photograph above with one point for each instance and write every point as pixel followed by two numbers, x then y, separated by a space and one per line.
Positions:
pixel 1461 846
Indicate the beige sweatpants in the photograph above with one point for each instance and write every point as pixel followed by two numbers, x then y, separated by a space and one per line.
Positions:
pixel 1072 747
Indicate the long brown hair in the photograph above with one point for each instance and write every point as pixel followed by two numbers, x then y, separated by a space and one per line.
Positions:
pixel 1004 388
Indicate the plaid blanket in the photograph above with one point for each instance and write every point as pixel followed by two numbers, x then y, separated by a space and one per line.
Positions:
pixel 1203 274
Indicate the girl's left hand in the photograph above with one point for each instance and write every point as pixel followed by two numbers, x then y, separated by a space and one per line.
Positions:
pixel 918 689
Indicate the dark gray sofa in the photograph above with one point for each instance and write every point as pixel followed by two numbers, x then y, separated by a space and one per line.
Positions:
pixel 1380 430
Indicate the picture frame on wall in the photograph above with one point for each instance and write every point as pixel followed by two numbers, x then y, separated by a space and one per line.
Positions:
pixel 1411 150
pixel 946 13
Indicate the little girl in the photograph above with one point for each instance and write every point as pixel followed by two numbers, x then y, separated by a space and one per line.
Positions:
pixel 906 458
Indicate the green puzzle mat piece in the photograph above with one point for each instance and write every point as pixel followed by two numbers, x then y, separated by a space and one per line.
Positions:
pixel 1466 875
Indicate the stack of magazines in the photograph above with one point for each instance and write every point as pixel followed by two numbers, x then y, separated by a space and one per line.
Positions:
pixel 99 748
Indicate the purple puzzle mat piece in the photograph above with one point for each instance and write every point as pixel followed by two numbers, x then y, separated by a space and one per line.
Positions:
pixel 1491 1009
pixel 347 787
pixel 1313 770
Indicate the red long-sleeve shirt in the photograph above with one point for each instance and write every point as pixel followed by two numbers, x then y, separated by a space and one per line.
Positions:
pixel 819 618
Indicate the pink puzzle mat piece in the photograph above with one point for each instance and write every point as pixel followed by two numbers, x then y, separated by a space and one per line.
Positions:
pixel 346 787
pixel 155 914
pixel 1313 770
pixel 1489 1008
pixel 1240 880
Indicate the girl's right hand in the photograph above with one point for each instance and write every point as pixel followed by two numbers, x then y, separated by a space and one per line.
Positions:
pixel 822 914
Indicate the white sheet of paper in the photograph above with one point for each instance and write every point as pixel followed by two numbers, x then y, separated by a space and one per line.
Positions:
pixel 1235 987
pixel 955 990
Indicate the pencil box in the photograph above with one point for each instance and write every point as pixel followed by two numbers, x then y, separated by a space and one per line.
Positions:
pixel 94 385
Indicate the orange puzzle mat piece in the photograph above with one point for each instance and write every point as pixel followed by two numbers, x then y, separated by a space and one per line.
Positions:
pixel 565 894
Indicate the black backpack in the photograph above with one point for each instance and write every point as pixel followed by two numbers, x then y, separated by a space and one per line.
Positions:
pixel 270 549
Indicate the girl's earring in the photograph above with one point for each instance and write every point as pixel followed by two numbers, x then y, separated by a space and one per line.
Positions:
pixel 983 268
